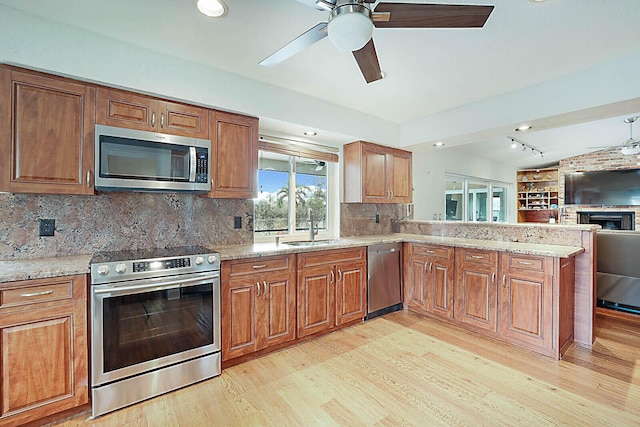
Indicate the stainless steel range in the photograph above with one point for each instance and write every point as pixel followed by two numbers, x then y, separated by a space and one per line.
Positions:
pixel 155 323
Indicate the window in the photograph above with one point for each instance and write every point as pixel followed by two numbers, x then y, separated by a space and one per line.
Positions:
pixel 292 185
pixel 467 199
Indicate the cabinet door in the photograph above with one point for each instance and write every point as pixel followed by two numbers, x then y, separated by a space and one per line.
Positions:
pixel 46 134
pixel 374 180
pixel 234 157
pixel 475 293
pixel 440 287
pixel 316 299
pixel 126 109
pixel 399 175
pixel 526 311
pixel 184 120
pixel 43 368
pixel 351 294
pixel 239 316
pixel 415 293
pixel 278 309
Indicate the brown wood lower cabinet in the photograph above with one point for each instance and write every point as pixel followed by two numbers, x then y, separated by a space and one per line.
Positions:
pixel 432 273
pixel 527 300
pixel 43 335
pixel 476 293
pixel 258 304
pixel 331 289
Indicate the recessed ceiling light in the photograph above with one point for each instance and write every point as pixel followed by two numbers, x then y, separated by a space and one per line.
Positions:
pixel 310 133
pixel 439 144
pixel 213 8
pixel 522 128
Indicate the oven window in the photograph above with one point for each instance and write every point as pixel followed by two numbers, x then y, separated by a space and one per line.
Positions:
pixel 134 159
pixel 142 327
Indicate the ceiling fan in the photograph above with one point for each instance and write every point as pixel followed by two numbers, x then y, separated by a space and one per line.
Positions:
pixel 631 146
pixel 350 27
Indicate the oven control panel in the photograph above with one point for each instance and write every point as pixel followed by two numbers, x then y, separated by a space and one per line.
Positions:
pixel 119 270
pixel 161 265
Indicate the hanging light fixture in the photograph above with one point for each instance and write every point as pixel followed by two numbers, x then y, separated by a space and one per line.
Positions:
pixel 212 8
pixel 350 26
pixel 631 146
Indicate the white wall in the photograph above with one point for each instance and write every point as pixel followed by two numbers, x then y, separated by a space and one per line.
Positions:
pixel 429 169
pixel 37 43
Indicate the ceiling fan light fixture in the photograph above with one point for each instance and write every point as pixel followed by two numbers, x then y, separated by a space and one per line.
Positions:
pixel 350 26
pixel 630 150
pixel 212 8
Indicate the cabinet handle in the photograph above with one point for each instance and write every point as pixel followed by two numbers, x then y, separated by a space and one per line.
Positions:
pixel 430 267
pixel 525 263
pixel 391 194
pixel 255 267
pixel 258 286
pixel 264 287
pixel 37 294
pixel 153 120
pixel 332 276
pixel 339 275
pixel 477 256
pixel 493 278
pixel 162 120
pixel 504 280
pixel 212 183
pixel 88 178
pixel 429 251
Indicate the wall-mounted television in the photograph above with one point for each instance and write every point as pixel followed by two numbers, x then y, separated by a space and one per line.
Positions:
pixel 610 188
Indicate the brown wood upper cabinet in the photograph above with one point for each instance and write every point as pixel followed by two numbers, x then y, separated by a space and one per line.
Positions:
pixel 331 289
pixel 377 174
pixel 258 304
pixel 43 368
pixel 234 157
pixel 135 111
pixel 46 133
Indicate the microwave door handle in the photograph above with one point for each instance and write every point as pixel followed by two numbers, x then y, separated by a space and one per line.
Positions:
pixel 192 164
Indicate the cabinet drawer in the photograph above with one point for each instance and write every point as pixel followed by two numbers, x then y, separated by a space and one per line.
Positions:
pixel 257 265
pixel 526 262
pixel 480 256
pixel 310 259
pixel 433 250
pixel 39 292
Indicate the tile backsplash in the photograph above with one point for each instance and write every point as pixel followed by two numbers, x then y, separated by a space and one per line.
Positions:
pixel 116 221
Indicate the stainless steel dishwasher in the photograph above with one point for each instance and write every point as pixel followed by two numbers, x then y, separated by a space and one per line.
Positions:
pixel 384 290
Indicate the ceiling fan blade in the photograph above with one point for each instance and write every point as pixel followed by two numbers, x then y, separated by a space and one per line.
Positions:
pixel 413 15
pixel 367 60
pixel 299 43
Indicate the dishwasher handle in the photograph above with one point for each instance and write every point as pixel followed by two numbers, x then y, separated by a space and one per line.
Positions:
pixel 387 251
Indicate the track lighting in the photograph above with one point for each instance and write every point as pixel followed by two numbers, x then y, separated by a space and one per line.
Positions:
pixel 525 146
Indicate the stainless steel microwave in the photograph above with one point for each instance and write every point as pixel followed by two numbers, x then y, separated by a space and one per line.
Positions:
pixel 134 160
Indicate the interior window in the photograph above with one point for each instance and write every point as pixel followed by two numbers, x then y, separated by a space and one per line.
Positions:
pixel 467 199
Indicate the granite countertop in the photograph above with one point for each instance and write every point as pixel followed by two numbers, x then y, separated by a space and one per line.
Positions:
pixel 38 268
pixel 231 252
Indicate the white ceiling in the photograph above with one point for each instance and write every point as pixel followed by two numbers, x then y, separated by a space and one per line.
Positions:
pixel 430 71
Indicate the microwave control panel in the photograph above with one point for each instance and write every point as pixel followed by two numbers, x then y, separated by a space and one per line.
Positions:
pixel 202 165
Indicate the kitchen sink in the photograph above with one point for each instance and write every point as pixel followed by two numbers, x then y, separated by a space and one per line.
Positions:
pixel 304 243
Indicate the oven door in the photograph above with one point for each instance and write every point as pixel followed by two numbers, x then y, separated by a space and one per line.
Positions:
pixel 142 325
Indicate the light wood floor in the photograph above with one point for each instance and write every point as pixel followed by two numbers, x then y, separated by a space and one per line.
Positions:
pixel 403 369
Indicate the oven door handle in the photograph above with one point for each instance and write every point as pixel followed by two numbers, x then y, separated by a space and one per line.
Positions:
pixel 134 288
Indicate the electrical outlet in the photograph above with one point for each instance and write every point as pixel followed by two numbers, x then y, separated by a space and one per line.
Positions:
pixel 237 222
pixel 377 218
pixel 47 227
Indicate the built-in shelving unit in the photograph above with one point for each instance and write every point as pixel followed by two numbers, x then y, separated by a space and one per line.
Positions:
pixel 537 195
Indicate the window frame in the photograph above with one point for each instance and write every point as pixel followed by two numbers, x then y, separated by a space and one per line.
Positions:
pixel 466 192
pixel 333 208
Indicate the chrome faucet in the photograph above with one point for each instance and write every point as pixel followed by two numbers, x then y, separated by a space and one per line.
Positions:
pixel 312 231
